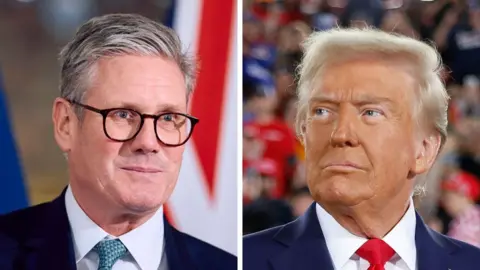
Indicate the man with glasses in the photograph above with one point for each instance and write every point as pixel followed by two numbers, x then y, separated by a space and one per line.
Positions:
pixel 121 121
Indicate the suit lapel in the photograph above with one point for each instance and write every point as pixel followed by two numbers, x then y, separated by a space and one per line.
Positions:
pixel 305 244
pixel 49 245
pixel 306 247
pixel 176 249
pixel 433 250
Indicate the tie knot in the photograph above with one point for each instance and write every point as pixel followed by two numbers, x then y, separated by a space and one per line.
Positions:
pixel 109 252
pixel 376 252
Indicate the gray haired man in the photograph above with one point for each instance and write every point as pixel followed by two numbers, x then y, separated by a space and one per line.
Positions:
pixel 121 120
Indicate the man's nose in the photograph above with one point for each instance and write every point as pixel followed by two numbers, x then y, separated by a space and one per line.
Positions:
pixel 146 140
pixel 344 133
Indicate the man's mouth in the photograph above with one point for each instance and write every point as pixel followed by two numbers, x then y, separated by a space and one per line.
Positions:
pixel 141 169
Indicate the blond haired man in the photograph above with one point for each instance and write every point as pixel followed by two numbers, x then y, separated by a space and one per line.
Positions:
pixel 372 118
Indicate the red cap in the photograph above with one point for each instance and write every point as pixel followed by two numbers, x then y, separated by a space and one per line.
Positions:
pixel 464 183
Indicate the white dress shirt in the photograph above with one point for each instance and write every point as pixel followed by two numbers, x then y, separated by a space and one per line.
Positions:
pixel 145 244
pixel 342 244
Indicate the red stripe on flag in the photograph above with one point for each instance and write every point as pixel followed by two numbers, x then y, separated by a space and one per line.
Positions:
pixel 207 101
pixel 168 215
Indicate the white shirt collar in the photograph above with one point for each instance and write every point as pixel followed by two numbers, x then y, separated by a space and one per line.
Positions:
pixel 145 243
pixel 342 244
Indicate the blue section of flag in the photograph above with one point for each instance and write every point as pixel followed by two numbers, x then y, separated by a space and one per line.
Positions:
pixel 12 189
pixel 170 14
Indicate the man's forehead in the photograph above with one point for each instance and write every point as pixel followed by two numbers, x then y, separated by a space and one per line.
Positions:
pixel 138 81
pixel 363 87
pixel 133 70
pixel 140 93
pixel 365 71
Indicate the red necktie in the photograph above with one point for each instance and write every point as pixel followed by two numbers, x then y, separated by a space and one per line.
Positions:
pixel 376 252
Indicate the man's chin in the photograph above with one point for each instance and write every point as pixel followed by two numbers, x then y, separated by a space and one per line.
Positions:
pixel 346 197
pixel 347 201
pixel 142 207
pixel 140 201
pixel 343 191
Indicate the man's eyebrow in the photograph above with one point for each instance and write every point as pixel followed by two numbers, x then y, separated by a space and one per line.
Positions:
pixel 357 101
pixel 369 99
pixel 170 108
pixel 160 109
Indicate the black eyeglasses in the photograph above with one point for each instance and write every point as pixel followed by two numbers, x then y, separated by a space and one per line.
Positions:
pixel 121 124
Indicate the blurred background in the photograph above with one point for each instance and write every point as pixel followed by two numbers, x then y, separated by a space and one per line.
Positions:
pixel 274 187
pixel 33 169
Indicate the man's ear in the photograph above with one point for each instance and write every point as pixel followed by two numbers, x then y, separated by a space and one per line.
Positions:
pixel 301 120
pixel 301 132
pixel 427 154
pixel 63 124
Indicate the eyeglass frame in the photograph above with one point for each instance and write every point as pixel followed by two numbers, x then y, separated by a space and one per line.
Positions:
pixel 143 116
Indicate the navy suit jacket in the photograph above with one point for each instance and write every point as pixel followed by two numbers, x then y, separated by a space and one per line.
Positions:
pixel 301 245
pixel 39 238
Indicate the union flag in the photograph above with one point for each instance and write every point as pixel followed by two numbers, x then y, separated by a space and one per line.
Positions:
pixel 204 203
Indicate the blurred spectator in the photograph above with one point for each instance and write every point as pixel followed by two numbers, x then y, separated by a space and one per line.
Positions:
pixel 261 211
pixel 460 40
pixel 261 179
pixel 300 201
pixel 289 56
pixel 265 213
pixel 398 22
pixel 287 109
pixel 465 99
pixel 432 16
pixel 258 56
pixel 275 13
pixel 323 16
pixel 360 13
pixel 460 191
pixel 275 140
pixel 468 131
pixel 471 96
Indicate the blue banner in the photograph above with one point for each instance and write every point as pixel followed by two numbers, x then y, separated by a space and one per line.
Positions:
pixel 12 188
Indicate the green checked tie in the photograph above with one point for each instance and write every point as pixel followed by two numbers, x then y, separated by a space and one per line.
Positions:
pixel 109 252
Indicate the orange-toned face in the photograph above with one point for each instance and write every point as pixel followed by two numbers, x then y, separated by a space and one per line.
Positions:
pixel 360 135
pixel 137 175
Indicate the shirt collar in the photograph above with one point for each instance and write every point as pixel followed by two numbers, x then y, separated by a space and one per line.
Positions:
pixel 86 234
pixel 342 244
pixel 144 243
pixel 402 237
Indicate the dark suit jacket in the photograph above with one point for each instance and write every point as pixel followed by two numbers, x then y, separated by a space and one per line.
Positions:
pixel 39 238
pixel 301 245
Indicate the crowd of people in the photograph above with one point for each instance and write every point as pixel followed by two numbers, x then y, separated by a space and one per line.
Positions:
pixel 274 185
